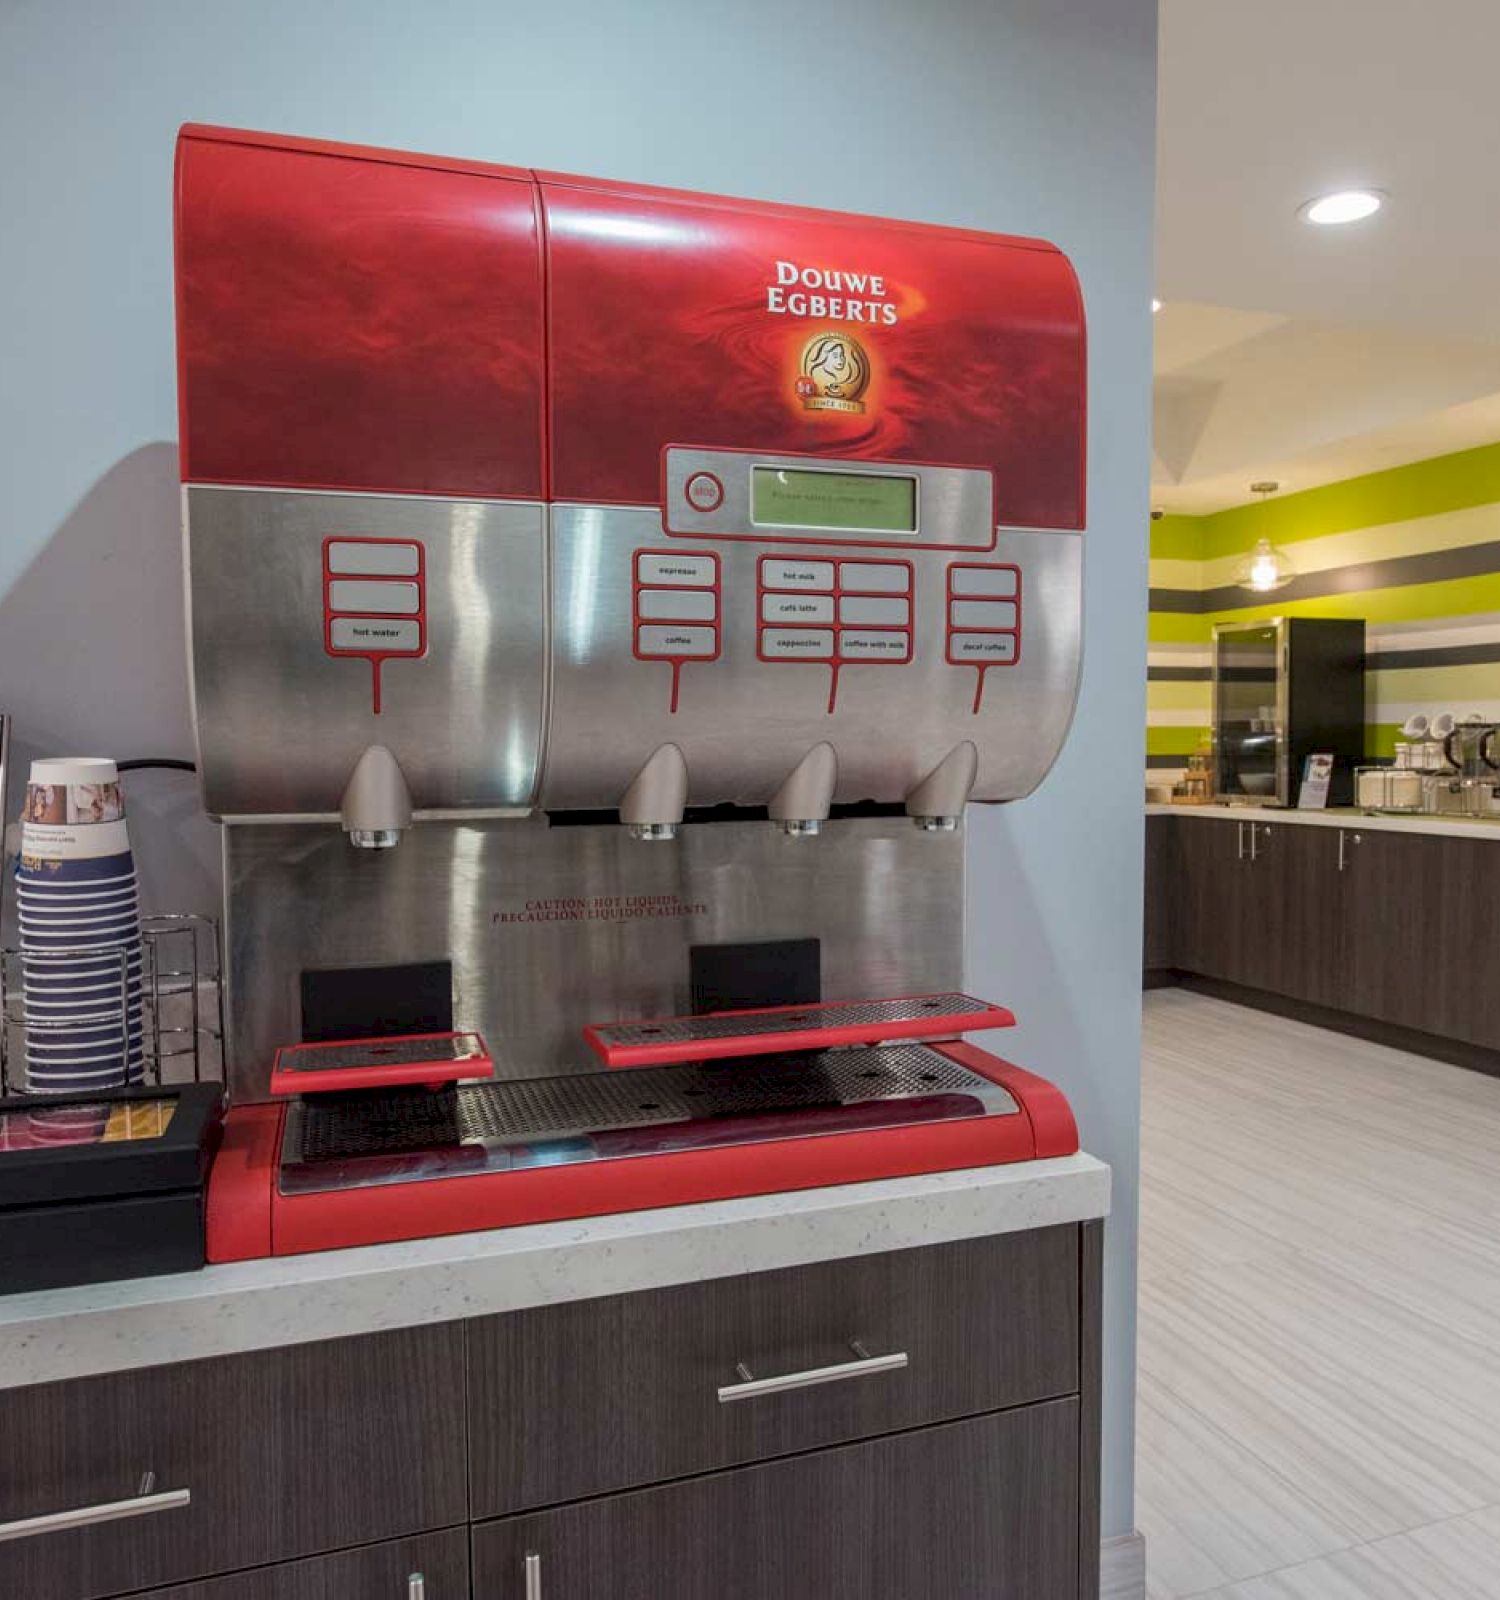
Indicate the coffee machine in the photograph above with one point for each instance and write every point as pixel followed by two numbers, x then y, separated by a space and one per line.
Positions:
pixel 604 603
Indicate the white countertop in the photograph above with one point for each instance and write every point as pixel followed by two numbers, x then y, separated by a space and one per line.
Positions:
pixel 1339 817
pixel 256 1305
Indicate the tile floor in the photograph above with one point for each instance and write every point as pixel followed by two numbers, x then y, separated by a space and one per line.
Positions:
pixel 1319 1315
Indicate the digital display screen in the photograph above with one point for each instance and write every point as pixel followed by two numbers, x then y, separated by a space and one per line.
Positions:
pixel 864 502
pixel 42 1127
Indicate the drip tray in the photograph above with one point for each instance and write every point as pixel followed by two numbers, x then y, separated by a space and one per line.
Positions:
pixel 405 1135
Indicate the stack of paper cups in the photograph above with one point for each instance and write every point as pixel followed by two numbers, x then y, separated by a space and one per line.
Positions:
pixel 80 930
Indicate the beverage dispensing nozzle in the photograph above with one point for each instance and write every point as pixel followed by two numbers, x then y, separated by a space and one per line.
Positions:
pixel 376 805
pixel 800 806
pixel 652 806
pixel 937 803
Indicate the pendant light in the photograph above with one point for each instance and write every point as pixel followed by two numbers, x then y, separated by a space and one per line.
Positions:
pixel 1265 568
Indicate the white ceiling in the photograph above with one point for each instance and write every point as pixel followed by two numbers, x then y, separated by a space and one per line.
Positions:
pixel 1309 354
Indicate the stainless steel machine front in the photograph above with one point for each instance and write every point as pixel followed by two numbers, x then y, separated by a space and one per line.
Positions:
pixel 549 928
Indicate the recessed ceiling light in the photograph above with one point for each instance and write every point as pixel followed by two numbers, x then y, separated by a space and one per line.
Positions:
pixel 1345 205
pixel 1155 305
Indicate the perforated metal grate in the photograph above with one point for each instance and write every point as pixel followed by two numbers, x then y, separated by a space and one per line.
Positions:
pixel 390 1123
pixel 808 1019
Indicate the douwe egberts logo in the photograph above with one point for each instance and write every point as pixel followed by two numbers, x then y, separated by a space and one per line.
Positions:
pixel 833 373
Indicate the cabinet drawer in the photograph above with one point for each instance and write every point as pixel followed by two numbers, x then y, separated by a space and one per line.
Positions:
pixel 602 1395
pixel 439 1561
pixel 985 1509
pixel 284 1453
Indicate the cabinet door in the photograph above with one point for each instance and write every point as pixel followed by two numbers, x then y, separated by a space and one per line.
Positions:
pixel 1299 947
pixel 1160 877
pixel 1422 929
pixel 1213 877
pixel 985 1509
pixel 433 1567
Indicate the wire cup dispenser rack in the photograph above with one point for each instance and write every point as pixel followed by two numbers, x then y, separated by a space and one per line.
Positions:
pixel 180 961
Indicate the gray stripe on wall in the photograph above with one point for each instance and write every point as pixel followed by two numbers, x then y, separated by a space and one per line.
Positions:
pixel 1449 655
pixel 1453 655
pixel 1397 572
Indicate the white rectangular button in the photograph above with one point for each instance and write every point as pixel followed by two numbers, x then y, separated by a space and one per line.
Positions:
pixel 672 641
pixel 687 572
pixel 981 613
pixel 1002 582
pixel 375 634
pixel 796 608
pixel 982 647
pixel 875 577
pixel 808 644
pixel 870 646
pixel 875 612
pixel 776 574
pixel 372 560
pixel 369 594
pixel 681 605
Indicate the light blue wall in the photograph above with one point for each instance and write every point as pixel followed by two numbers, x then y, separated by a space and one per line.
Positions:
pixel 1033 116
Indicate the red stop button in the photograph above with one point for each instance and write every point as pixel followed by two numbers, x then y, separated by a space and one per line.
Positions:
pixel 704 492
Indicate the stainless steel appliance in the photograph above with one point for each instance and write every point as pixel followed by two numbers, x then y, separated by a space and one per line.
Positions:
pixel 1285 689
pixel 519 507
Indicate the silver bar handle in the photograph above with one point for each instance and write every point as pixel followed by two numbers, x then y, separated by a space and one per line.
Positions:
pixel 141 1505
pixel 1239 840
pixel 533 1577
pixel 865 1366
pixel 1341 849
pixel 416 1587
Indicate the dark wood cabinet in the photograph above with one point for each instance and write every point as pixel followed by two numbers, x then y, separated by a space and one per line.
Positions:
pixel 1375 925
pixel 1159 942
pixel 284 1453
pixel 600 1395
pixel 974 1510
pixel 593 1436
pixel 434 1566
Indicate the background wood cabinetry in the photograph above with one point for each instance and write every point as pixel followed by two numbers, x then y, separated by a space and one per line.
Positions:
pixel 1371 925
pixel 975 1510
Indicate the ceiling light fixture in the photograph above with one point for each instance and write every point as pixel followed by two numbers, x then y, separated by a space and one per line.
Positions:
pixel 1345 205
pixel 1155 305
pixel 1265 568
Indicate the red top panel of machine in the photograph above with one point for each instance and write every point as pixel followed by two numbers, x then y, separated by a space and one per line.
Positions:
pixel 680 319
pixel 357 319
pixel 362 319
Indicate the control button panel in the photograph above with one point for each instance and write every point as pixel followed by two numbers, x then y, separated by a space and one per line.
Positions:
pixel 677 603
pixel 374 602
pixel 983 622
pixel 837 612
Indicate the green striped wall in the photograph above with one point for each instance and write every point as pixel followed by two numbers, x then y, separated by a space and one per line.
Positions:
pixel 1415 551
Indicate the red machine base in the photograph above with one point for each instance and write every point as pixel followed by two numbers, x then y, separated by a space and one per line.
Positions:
pixel 248 1217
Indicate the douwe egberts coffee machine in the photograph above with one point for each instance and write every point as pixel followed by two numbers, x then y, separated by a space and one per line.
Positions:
pixel 604 603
